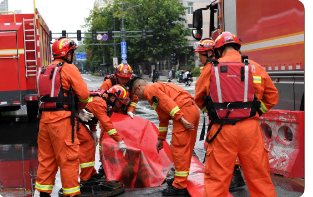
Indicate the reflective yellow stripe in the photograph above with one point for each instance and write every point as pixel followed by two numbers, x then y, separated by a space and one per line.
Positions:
pixel 86 165
pixel 43 187
pixel 263 108
pixel 84 101
pixel 173 112
pixel 204 109
pixel 133 104
pixel 71 190
pixel 257 79
pixel 60 45
pixel 100 147
pixel 111 132
pixel 90 99
pixel 154 106
pixel 163 129
pixel 181 173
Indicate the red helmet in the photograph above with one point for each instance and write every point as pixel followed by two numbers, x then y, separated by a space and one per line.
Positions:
pixel 226 38
pixel 62 46
pixel 120 92
pixel 124 70
pixel 205 45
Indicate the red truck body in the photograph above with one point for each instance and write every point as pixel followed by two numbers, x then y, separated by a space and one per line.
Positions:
pixel 24 47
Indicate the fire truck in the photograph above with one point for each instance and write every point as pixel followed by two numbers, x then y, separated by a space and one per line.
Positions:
pixel 272 34
pixel 24 47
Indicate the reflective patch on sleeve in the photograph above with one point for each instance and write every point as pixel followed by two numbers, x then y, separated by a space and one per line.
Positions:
pixel 86 165
pixel 163 129
pixel 43 187
pixel 83 101
pixel 112 131
pixel 71 190
pixel 100 148
pixel 133 104
pixel 263 107
pixel 257 79
pixel 174 110
pixel 90 99
pixel 181 173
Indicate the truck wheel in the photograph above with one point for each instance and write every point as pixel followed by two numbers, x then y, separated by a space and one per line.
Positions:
pixel 32 110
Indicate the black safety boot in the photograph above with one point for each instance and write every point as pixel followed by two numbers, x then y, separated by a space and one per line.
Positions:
pixel 173 191
pixel 170 181
pixel 237 180
pixel 43 194
pixel 101 171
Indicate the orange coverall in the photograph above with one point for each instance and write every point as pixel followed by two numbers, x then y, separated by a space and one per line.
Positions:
pixel 173 102
pixel 98 107
pixel 244 139
pixel 55 147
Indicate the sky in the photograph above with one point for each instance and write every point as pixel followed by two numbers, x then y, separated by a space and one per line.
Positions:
pixel 58 14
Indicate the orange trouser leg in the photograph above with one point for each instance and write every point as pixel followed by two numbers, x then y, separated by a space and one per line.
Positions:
pixel 87 151
pixel 245 140
pixel 183 142
pixel 66 156
pixel 48 166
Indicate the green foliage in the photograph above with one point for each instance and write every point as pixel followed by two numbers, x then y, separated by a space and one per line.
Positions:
pixel 195 71
pixel 164 17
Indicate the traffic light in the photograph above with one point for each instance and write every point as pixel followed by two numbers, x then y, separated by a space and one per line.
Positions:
pixel 50 34
pixel 144 33
pixel 63 33
pixel 94 34
pixel 79 35
pixel 173 58
pixel 110 35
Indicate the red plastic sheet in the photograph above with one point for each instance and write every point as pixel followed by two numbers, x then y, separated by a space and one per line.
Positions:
pixel 142 166
pixel 195 181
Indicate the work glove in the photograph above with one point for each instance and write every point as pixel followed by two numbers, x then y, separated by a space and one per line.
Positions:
pixel 84 115
pixel 131 114
pixel 122 147
pixel 95 137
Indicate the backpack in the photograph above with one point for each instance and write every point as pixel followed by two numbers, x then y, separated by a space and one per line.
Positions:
pixel 231 97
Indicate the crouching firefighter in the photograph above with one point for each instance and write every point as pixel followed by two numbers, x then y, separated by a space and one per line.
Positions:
pixel 62 93
pixel 205 49
pixel 122 76
pixel 240 90
pixel 102 104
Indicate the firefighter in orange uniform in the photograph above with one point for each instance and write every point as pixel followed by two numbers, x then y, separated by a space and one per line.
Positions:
pixel 58 86
pixel 244 138
pixel 123 74
pixel 205 48
pixel 99 104
pixel 173 102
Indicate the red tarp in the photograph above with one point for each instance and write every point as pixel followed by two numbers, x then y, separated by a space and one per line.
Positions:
pixel 142 166
pixel 195 181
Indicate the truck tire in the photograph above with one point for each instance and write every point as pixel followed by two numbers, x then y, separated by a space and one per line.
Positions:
pixel 32 110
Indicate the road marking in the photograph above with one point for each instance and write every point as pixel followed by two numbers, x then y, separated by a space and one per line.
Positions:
pixel 87 79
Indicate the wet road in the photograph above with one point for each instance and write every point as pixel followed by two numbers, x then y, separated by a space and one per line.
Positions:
pixel 18 155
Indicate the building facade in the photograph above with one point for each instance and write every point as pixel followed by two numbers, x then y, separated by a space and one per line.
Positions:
pixel 102 3
pixel 4 5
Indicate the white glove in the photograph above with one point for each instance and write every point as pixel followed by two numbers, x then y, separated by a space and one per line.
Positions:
pixel 122 147
pixel 131 114
pixel 95 138
pixel 84 115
